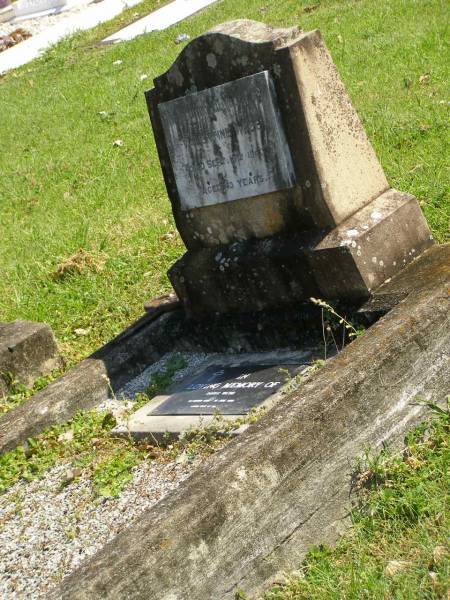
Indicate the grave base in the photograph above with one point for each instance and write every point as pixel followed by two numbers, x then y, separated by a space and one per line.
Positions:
pixel 348 263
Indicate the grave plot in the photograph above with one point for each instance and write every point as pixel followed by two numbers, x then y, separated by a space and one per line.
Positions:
pixel 49 22
pixel 158 20
pixel 285 212
pixel 45 22
pixel 279 198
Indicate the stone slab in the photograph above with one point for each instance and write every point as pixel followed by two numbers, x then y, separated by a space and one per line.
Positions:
pixel 28 350
pixel 254 509
pixel 427 269
pixel 371 246
pixel 231 390
pixel 90 382
pixel 229 386
pixel 227 142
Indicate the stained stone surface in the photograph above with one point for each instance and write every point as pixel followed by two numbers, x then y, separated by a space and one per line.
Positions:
pixel 146 341
pixel 227 142
pixel 252 245
pixel 28 350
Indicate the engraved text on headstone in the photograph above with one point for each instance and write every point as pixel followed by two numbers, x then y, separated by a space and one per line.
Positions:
pixel 227 142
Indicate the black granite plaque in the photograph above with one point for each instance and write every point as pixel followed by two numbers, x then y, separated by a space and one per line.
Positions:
pixel 227 142
pixel 230 390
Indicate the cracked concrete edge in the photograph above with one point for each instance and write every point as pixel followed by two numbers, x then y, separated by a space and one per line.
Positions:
pixel 254 509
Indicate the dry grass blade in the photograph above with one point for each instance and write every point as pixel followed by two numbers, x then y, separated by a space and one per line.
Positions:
pixel 78 263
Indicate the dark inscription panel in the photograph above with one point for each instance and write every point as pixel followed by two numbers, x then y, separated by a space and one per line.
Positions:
pixel 227 142
pixel 229 390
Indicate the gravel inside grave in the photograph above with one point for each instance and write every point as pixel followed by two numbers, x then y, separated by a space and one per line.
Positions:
pixel 192 362
pixel 47 529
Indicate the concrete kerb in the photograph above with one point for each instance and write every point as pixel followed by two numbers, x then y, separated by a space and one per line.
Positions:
pixel 91 381
pixel 162 330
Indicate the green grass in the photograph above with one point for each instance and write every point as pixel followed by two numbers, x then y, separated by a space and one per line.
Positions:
pixel 403 516
pixel 86 441
pixel 64 186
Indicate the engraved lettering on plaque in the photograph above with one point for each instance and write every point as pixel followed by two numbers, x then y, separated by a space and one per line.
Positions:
pixel 230 390
pixel 227 142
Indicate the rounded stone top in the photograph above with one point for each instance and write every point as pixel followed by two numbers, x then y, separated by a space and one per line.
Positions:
pixel 255 32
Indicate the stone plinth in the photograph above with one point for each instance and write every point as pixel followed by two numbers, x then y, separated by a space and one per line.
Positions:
pixel 275 187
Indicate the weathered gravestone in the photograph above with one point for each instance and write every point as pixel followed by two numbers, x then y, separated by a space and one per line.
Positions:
pixel 275 188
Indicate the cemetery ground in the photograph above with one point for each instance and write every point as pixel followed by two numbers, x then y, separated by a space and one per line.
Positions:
pixel 87 236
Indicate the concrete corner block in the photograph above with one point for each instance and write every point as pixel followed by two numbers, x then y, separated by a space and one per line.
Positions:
pixel 28 350
pixel 371 246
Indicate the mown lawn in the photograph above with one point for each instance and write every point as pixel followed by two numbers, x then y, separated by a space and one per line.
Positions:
pixel 398 547
pixel 65 187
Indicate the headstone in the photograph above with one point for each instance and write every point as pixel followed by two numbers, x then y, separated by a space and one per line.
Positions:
pixel 275 187
pixel 227 386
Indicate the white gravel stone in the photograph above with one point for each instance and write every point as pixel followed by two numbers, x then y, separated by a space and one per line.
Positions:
pixel 46 530
pixel 140 383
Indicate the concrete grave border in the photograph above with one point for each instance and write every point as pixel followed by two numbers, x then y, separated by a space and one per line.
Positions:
pixel 163 329
pixel 254 509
